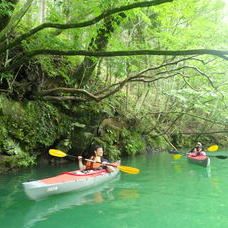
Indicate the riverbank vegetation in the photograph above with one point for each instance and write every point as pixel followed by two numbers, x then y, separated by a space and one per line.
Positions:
pixel 133 76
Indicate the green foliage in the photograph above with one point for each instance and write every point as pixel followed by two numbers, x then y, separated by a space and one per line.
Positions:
pixel 6 76
pixel 9 147
pixel 111 137
pixel 50 67
pixel 191 23
pixel 8 163
pixel 157 142
pixel 35 123
pixel 132 142
pixel 26 160
pixel 112 152
pixel 6 8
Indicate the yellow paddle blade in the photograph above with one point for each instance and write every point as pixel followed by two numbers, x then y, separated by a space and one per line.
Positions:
pixel 127 169
pixel 213 148
pixel 57 153
pixel 177 156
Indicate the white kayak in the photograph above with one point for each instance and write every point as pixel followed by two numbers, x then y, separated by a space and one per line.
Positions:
pixel 67 182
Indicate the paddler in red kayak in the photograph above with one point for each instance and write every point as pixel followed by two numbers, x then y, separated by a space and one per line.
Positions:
pixel 99 161
pixel 198 150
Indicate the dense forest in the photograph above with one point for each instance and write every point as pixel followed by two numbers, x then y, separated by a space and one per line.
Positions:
pixel 132 76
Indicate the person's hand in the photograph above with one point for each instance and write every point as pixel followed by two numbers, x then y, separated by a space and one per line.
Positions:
pixel 79 158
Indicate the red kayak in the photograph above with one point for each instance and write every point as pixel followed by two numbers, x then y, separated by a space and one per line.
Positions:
pixel 201 160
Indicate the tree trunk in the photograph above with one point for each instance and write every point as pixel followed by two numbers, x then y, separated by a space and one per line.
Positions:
pixel 85 70
pixel 42 11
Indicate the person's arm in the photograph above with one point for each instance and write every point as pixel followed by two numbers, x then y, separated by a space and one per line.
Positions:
pixel 203 153
pixel 191 151
pixel 109 168
pixel 80 164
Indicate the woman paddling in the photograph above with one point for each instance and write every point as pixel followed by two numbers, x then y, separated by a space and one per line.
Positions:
pixel 198 150
pixel 98 162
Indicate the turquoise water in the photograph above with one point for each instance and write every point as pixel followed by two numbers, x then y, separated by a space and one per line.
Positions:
pixel 167 193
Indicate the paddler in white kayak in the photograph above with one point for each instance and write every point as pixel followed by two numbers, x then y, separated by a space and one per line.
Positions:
pixel 98 161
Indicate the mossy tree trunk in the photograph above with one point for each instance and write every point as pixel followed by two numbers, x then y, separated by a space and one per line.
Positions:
pixel 85 70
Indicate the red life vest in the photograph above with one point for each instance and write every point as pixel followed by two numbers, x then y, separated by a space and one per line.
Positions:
pixel 92 165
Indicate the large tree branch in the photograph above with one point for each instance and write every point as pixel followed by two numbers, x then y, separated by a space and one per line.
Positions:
pixel 147 70
pixel 93 21
pixel 97 96
pixel 22 59
pixel 185 113
pixel 64 98
pixel 66 90
pixel 202 133
pixel 83 95
pixel 139 77
pixel 192 133
pixel 181 114
pixel 221 54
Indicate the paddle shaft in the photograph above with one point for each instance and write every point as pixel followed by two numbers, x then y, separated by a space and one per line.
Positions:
pixel 100 162
pixel 91 160
pixel 183 154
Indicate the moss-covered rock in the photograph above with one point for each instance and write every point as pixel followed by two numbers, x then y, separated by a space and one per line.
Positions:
pixel 29 129
pixel 9 163
pixel 31 125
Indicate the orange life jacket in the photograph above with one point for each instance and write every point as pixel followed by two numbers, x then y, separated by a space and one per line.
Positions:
pixel 92 165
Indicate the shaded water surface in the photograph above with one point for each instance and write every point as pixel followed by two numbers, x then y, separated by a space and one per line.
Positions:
pixel 167 193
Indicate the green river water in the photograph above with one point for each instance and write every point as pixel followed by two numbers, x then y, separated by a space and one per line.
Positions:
pixel 167 193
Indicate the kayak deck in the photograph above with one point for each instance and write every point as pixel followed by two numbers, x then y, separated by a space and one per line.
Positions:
pixel 71 176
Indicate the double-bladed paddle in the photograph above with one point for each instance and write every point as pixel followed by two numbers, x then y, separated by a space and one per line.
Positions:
pixel 213 148
pixel 126 169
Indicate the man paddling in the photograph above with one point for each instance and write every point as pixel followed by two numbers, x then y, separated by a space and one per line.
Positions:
pixel 97 161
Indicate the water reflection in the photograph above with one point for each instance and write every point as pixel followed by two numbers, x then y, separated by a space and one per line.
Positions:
pixel 208 171
pixel 196 170
pixel 178 167
pixel 128 193
pixel 40 210
pixel 182 166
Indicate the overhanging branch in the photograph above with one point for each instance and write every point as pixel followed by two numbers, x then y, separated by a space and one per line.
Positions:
pixel 22 59
pixel 203 133
pixel 221 54
pixel 86 96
